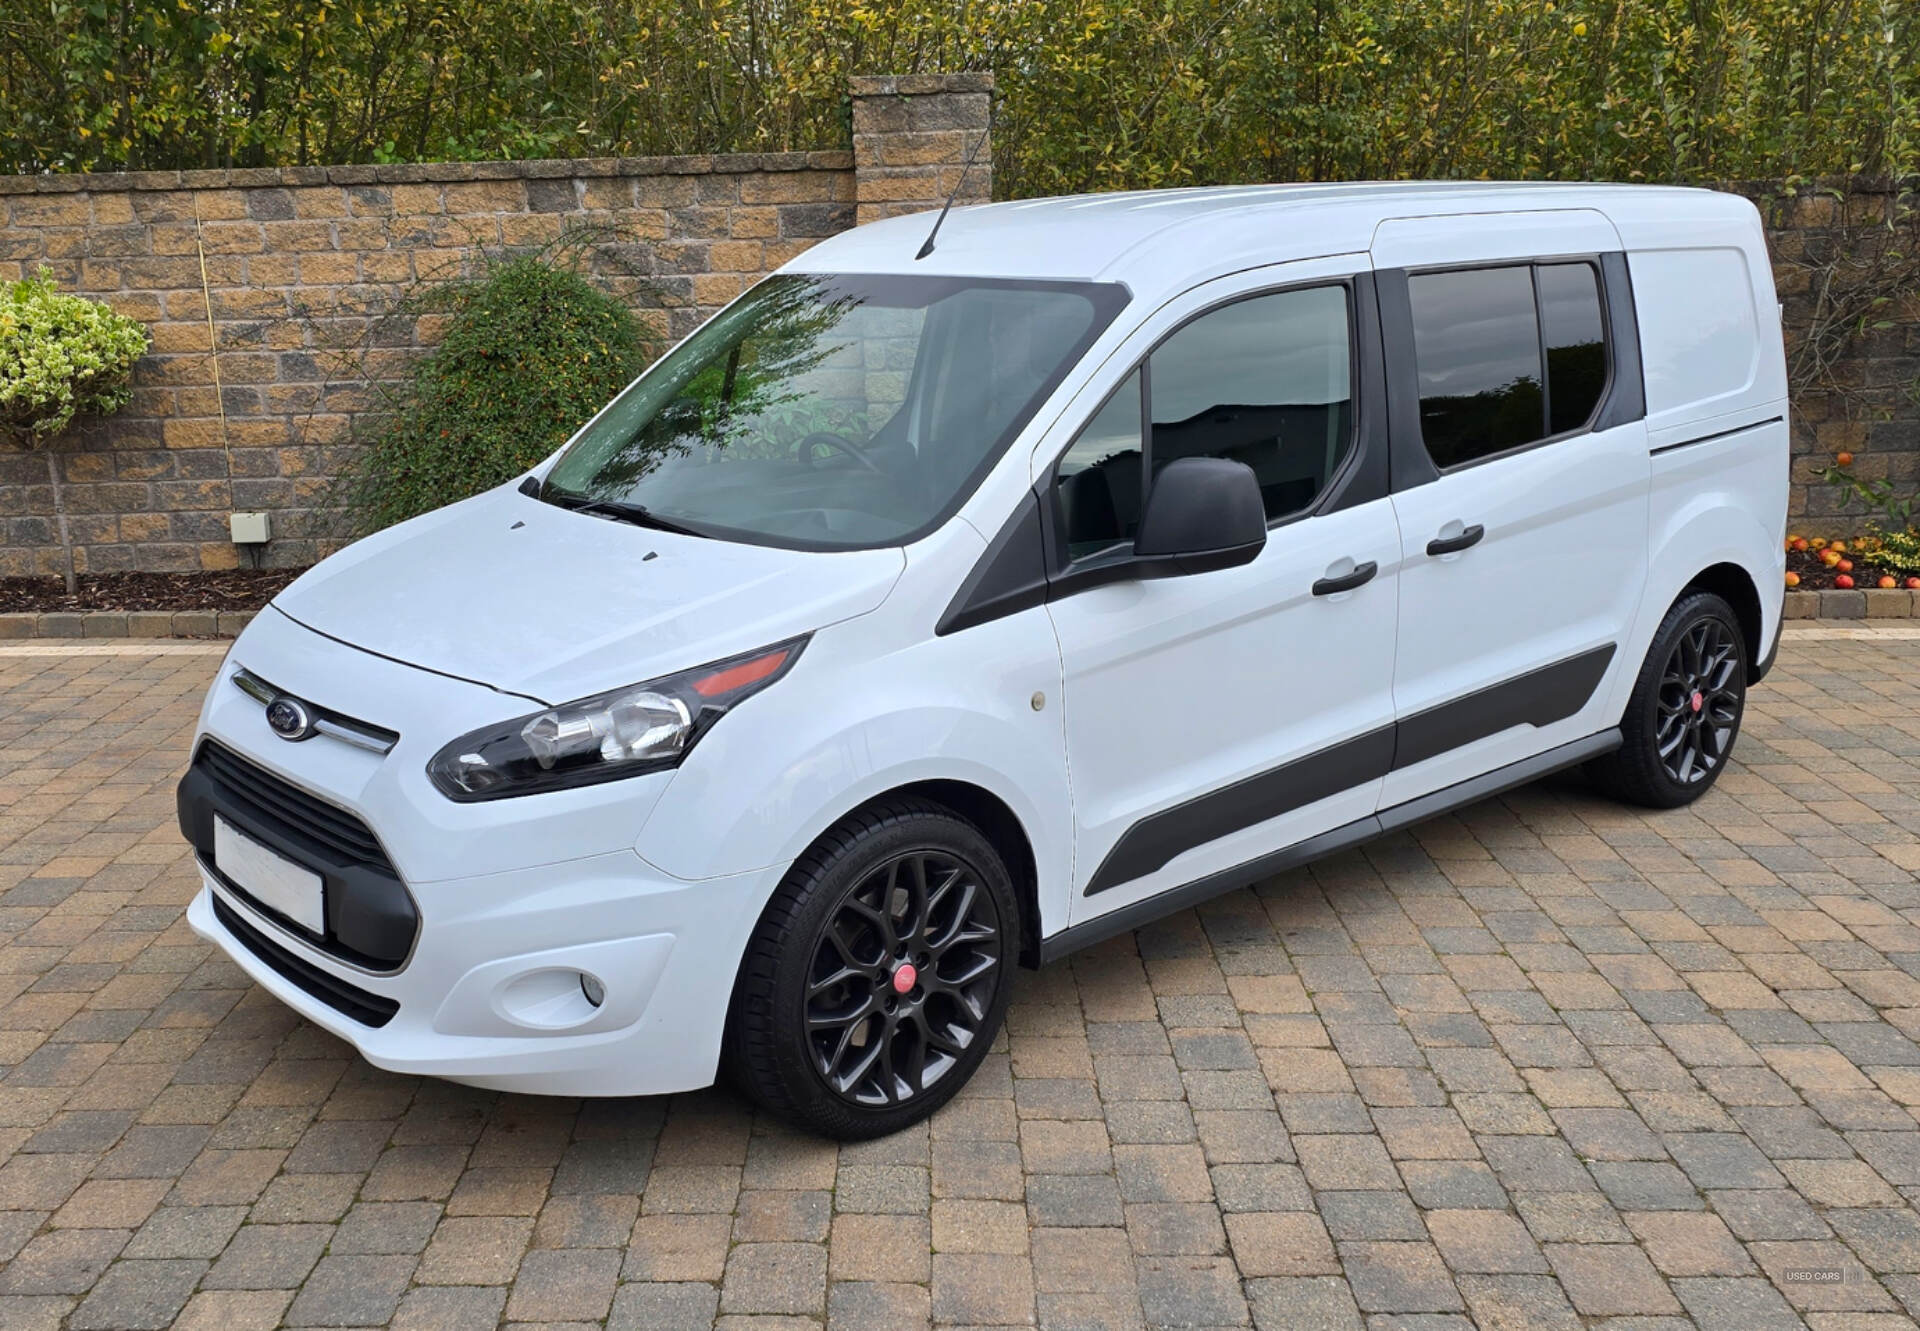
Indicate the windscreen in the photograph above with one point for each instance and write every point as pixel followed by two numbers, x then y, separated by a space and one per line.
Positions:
pixel 835 412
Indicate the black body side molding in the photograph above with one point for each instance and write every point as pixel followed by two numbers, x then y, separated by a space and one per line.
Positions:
pixel 1128 918
pixel 1539 698
pixel 1150 843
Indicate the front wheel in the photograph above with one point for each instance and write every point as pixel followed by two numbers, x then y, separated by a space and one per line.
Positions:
pixel 1685 712
pixel 878 975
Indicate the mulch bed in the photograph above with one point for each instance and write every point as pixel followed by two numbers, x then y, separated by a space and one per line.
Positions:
pixel 228 589
pixel 1816 576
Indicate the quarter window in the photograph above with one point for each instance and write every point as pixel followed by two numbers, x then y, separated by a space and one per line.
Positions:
pixel 1267 381
pixel 1576 344
pixel 1505 356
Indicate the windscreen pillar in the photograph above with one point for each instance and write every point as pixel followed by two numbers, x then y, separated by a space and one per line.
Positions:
pixel 912 134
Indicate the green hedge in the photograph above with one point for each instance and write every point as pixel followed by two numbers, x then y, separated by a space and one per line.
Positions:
pixel 1095 93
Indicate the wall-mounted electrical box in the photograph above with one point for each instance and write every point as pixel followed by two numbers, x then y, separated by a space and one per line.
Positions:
pixel 250 528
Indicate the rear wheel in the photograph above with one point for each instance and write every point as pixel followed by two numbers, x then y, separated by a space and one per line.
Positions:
pixel 1685 712
pixel 877 977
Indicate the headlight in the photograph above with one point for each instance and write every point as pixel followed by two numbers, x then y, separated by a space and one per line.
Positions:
pixel 624 732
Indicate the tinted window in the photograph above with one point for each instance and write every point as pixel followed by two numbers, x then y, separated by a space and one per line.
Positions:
pixel 1099 476
pixel 1265 381
pixel 1576 345
pixel 1476 343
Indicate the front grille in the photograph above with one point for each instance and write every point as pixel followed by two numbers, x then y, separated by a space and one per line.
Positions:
pixel 371 919
pixel 291 808
pixel 346 999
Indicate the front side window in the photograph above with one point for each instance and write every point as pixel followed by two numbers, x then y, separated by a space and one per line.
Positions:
pixel 1267 381
pixel 835 412
pixel 1506 356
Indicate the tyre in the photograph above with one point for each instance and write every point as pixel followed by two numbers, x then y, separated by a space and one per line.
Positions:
pixel 878 975
pixel 1685 711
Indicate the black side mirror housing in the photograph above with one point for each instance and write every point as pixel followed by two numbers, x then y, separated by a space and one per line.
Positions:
pixel 1202 514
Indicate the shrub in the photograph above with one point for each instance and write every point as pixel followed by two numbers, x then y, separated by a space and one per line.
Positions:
pixel 531 351
pixel 60 356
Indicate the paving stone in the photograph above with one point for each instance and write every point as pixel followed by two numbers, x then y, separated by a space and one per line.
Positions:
pixel 774 1278
pixel 1371 1215
pixel 1484 1242
pixel 1189 1292
pixel 1321 1303
pixel 1399 1278
pixel 863 1306
pixel 269 1257
pixel 351 1291
pixel 1281 1243
pixel 565 1285
pixel 982 1289
pixel 1610 1279
pixel 138 1295
pixel 455 1308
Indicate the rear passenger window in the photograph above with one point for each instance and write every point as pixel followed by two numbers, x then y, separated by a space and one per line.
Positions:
pixel 1267 381
pixel 1506 356
pixel 1477 345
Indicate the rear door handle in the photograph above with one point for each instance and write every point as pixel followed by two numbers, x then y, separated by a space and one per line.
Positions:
pixel 1450 545
pixel 1346 582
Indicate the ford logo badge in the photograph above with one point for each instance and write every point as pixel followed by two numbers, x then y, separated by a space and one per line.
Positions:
pixel 289 719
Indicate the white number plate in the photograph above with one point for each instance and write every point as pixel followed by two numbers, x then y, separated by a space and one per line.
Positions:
pixel 269 877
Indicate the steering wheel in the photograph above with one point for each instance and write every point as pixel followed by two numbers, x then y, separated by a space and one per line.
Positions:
pixel 840 444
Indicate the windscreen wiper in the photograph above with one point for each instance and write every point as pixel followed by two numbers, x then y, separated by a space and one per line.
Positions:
pixel 619 510
pixel 637 514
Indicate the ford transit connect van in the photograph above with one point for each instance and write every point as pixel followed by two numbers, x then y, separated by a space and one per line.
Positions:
pixel 931 613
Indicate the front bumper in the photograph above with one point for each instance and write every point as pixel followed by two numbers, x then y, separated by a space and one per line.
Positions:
pixel 456 934
pixel 491 997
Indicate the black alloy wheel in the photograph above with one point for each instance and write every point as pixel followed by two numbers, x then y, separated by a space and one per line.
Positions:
pixel 878 974
pixel 902 977
pixel 1700 697
pixel 1684 713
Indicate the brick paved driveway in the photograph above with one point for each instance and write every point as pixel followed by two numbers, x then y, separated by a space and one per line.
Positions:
pixel 1544 1064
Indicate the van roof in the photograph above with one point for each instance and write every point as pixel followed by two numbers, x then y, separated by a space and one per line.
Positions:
pixel 1154 238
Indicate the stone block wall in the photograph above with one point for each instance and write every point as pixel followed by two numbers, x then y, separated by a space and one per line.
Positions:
pixel 255 279
pixel 267 293
pixel 1852 237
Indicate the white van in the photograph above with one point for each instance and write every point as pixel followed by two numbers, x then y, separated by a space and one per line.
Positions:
pixel 933 611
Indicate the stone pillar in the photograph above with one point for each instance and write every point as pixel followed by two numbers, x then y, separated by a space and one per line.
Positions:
pixel 911 137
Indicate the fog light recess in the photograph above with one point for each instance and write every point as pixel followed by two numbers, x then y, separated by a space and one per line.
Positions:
pixel 551 999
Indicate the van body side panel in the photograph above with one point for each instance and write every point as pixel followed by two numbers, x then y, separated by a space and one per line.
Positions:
pixel 1717 412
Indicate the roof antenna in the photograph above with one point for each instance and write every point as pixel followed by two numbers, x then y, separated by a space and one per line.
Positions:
pixel 947 207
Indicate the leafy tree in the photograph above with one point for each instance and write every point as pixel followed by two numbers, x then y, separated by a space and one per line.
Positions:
pixel 531 351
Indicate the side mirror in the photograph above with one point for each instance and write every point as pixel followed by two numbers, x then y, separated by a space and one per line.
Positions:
pixel 1202 514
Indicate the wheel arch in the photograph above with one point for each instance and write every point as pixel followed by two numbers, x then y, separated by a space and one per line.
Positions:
pixel 1733 584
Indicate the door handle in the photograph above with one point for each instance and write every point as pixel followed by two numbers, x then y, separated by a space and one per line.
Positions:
pixel 1450 545
pixel 1346 582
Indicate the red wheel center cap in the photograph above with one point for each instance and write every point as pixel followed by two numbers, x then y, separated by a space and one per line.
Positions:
pixel 1699 700
pixel 905 977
